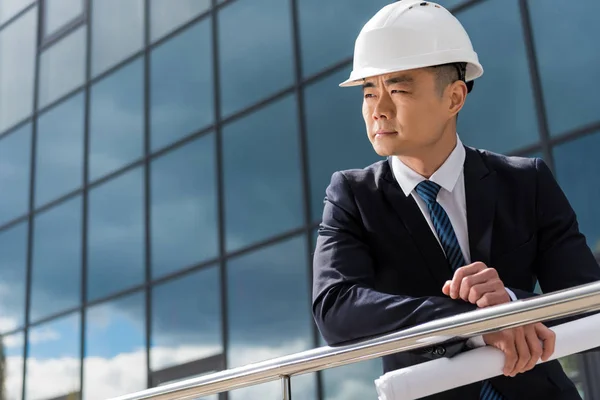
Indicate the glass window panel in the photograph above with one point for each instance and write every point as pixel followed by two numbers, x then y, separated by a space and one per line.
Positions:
pixel 56 270
pixel 12 348
pixel 115 348
pixel 353 381
pixel 499 114
pixel 324 40
pixel 53 362
pixel 303 388
pixel 186 319
pixel 10 8
pixel 62 67
pixel 116 235
pixel 117 120
pixel 117 31
pixel 245 28
pixel 15 166
pixel 167 15
pixel 13 266
pixel 18 48
pixel 181 85
pixel 579 158
pixel 269 311
pixel 563 34
pixel 58 13
pixel 326 135
pixel 263 195
pixel 184 207
pixel 59 153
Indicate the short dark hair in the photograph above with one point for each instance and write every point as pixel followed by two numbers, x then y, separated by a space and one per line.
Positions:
pixel 447 74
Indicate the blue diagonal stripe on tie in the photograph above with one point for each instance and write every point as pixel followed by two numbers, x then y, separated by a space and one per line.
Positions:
pixel 429 191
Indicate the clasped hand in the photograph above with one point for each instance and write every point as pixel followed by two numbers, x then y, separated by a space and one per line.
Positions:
pixel 523 346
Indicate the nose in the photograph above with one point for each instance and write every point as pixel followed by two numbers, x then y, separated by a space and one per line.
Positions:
pixel 384 107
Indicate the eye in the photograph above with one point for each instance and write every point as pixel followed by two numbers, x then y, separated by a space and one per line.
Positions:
pixel 369 96
pixel 398 91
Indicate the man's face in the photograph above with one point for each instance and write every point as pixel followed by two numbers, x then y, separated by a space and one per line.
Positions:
pixel 404 112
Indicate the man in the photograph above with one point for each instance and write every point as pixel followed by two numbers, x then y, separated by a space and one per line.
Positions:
pixel 440 228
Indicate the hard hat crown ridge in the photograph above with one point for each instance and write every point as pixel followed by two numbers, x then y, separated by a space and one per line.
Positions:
pixel 411 34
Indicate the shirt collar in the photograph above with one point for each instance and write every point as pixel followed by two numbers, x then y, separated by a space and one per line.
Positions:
pixel 446 175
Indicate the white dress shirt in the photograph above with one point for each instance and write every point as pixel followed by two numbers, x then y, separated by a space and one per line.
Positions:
pixel 450 176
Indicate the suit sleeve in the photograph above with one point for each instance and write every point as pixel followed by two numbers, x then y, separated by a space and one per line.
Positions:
pixel 346 306
pixel 564 259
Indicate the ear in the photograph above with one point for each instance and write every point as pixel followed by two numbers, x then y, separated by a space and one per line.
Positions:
pixel 457 94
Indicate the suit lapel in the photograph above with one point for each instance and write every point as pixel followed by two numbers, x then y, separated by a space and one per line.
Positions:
pixel 416 225
pixel 480 192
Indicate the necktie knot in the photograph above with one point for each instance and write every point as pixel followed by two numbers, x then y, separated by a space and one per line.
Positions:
pixel 428 191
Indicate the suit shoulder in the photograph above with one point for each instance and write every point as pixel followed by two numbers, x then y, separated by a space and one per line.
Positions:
pixel 361 176
pixel 508 164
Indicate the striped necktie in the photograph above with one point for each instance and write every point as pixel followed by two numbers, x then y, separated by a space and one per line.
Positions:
pixel 428 191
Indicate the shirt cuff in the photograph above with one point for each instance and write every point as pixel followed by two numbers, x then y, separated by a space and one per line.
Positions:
pixel 476 341
pixel 513 297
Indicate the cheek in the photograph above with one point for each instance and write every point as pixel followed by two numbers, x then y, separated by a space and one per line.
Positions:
pixel 366 112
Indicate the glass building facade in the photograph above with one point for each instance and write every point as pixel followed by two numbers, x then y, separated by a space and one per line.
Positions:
pixel 163 166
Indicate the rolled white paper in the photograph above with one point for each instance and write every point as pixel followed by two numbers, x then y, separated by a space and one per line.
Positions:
pixel 478 364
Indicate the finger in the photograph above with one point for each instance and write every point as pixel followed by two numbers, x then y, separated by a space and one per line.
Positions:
pixel 478 291
pixel 548 337
pixel 461 273
pixel 493 299
pixel 535 347
pixel 468 283
pixel 522 352
pixel 510 357
pixel 446 288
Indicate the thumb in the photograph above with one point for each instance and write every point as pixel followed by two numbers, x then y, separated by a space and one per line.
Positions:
pixel 446 288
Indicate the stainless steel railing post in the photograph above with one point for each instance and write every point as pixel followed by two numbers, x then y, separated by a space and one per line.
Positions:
pixel 286 385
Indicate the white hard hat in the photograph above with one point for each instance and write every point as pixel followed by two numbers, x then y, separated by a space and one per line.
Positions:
pixel 411 34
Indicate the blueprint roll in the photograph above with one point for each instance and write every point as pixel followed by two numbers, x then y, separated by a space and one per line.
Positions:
pixel 478 364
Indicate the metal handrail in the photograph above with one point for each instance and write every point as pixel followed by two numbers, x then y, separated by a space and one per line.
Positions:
pixel 563 303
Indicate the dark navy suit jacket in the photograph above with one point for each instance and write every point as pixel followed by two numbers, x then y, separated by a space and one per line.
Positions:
pixel 378 267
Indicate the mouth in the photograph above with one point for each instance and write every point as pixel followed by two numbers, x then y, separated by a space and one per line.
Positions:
pixel 384 133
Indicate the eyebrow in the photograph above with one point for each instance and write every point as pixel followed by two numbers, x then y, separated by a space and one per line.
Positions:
pixel 392 81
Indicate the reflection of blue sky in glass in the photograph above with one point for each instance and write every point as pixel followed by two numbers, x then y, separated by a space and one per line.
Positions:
pixel 115 347
pixel 53 362
pixel 255 50
pixel 117 31
pixel 334 142
pixel 13 262
pixel 18 44
pixel 263 194
pixel 56 271
pixel 59 153
pixel 566 41
pixel 181 85
pixel 116 235
pixel 499 113
pixel 579 159
pixel 166 15
pixel 15 164
pixel 328 30
pixel 184 206
pixel 186 319
pixel 117 119
pixel 12 346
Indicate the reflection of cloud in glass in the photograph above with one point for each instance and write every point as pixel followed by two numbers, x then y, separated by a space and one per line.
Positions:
pixel 53 359
pixel 181 85
pixel 117 119
pixel 166 15
pixel 59 13
pixel 116 235
pixel 56 270
pixel 15 165
pixel 59 153
pixel 184 206
pixel 353 381
pixel 263 195
pixel 62 67
pixel 117 31
pixel 13 243
pixel 9 8
pixel 303 388
pixel 186 313
pixel 254 65
pixel 17 64
pixel 13 351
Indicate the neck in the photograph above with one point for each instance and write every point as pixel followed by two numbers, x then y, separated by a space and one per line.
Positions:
pixel 430 158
